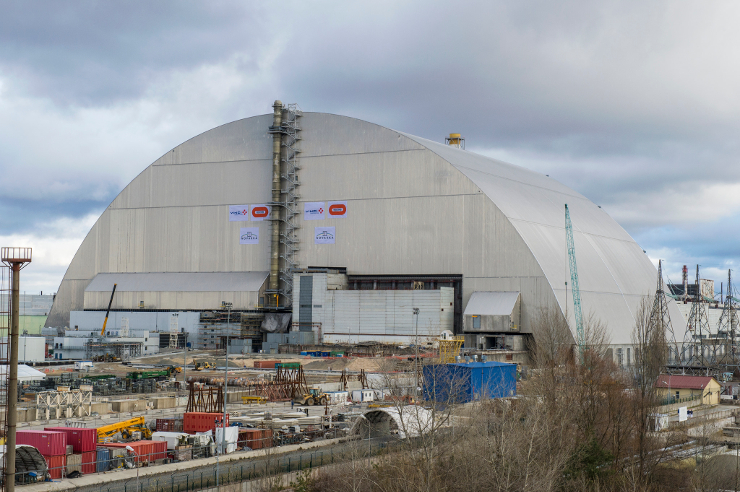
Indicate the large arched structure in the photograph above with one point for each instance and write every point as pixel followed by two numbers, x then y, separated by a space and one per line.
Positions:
pixel 414 207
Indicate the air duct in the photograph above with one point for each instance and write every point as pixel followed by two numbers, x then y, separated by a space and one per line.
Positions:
pixel 276 211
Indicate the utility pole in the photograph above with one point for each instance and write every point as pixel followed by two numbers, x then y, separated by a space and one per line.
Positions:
pixel 222 449
pixel 416 359
pixel 16 259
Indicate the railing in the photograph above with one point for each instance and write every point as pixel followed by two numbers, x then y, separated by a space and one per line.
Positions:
pixel 671 400
pixel 250 468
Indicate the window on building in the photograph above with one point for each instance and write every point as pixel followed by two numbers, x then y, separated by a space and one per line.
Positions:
pixel 476 322
pixel 619 357
pixel 628 356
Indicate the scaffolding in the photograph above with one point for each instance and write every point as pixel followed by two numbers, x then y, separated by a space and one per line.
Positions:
pixel 124 350
pixel 449 349
pixel 216 326
pixel 288 221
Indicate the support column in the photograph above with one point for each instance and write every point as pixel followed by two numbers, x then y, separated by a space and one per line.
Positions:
pixel 12 381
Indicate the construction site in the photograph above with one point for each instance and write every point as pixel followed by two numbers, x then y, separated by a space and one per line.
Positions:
pixel 310 281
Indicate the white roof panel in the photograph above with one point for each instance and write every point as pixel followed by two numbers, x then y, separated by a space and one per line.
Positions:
pixel 491 303
pixel 25 373
pixel 178 282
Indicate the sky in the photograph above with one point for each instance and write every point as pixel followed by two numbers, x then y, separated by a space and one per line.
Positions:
pixel 633 104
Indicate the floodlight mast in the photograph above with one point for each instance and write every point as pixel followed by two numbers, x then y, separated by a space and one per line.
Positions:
pixel 574 283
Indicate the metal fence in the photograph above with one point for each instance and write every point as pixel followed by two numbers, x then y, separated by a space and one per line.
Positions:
pixel 206 476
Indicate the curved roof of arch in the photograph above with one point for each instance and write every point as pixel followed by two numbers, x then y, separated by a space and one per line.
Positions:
pixel 614 272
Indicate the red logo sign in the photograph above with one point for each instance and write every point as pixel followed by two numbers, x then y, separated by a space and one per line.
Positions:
pixel 337 209
pixel 260 212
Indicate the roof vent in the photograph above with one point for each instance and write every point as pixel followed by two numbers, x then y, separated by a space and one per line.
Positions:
pixel 455 140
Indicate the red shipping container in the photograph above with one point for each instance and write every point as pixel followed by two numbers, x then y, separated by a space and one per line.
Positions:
pixel 88 461
pixel 145 451
pixel 160 450
pixel 169 425
pixel 82 440
pixel 56 465
pixel 202 421
pixel 265 364
pixel 48 443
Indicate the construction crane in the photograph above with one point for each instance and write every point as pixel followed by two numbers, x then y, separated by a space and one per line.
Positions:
pixel 574 282
pixel 102 332
pixel 126 428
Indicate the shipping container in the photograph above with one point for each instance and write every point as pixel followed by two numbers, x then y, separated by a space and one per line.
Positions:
pixel 169 425
pixel 145 451
pixel 102 460
pixel 81 440
pixel 363 395
pixel 202 422
pixel 49 443
pixel 88 461
pixel 265 364
pixel 288 365
pixel 255 438
pixel 74 463
pixel 171 438
pixel 56 465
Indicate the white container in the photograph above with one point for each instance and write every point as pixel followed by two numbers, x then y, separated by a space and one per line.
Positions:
pixel 83 364
pixel 363 395
pixel 171 438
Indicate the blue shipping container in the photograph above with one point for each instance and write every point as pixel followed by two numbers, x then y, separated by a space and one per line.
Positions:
pixel 102 458
pixel 462 383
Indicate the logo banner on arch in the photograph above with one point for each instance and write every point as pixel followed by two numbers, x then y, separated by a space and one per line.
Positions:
pixel 238 213
pixel 337 210
pixel 261 212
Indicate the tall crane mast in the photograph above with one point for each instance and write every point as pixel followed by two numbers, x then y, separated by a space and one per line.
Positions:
pixel 574 281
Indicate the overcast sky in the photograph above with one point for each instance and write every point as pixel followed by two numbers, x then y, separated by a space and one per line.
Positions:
pixel 633 104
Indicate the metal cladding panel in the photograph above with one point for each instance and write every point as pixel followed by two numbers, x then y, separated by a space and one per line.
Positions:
pixel 328 134
pixel 447 309
pixel 414 207
pixel 178 282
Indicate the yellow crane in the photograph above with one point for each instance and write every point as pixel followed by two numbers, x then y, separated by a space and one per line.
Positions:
pixel 102 332
pixel 126 428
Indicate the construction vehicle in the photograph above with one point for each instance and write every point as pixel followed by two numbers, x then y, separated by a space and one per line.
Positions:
pixel 313 397
pixel 110 303
pixel 125 428
pixel 199 366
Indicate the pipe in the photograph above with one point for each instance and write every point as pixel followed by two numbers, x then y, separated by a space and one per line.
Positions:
pixel 276 212
pixel 10 439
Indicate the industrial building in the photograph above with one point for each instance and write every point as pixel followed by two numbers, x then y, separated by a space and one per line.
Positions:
pixel 468 381
pixel 320 223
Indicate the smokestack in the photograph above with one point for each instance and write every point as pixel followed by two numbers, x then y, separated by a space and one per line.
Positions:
pixel 276 212
pixel 685 283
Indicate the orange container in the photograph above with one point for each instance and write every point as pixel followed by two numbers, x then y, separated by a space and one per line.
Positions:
pixel 56 465
pixel 88 461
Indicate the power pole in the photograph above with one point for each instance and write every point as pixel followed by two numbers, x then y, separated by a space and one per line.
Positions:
pixel 16 259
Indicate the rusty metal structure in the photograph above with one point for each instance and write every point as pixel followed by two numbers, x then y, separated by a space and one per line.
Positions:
pixel 205 400
pixel 287 385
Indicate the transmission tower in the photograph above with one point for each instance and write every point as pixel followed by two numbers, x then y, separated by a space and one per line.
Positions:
pixel 727 326
pixel 660 319
pixel 697 330
pixel 574 282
